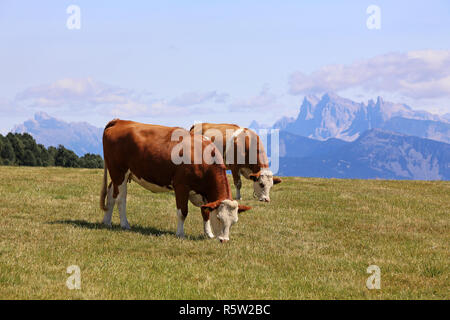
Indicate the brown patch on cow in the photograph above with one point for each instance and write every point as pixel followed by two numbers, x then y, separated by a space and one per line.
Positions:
pixel 243 208
pixel 254 176
pixel 205 214
pixel 277 180
pixel 207 208
pixel 211 206
pixel 104 190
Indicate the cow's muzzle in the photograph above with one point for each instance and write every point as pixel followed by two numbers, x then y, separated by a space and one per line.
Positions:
pixel 223 240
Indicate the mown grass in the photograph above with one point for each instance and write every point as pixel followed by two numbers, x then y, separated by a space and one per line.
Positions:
pixel 315 240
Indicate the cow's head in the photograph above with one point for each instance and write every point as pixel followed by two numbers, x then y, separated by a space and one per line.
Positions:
pixel 222 215
pixel 263 181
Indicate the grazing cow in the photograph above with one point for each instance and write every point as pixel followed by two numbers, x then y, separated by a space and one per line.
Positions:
pixel 145 153
pixel 248 159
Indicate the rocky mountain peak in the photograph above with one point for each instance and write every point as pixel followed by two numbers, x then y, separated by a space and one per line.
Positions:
pixel 333 116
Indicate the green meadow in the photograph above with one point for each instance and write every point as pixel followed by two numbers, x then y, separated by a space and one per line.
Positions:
pixel 314 240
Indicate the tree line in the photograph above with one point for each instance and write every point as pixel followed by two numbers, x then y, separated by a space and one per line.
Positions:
pixel 18 149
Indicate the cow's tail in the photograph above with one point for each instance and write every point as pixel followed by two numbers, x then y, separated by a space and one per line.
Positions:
pixel 104 188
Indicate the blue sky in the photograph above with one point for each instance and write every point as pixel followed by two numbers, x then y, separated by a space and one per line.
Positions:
pixel 175 62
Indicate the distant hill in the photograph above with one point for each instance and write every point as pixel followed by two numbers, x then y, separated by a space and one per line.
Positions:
pixel 446 117
pixel 80 137
pixel 335 117
pixel 375 154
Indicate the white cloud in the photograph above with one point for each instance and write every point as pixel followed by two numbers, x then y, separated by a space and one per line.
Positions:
pixel 265 100
pixel 74 95
pixel 415 74
pixel 80 92
pixel 194 98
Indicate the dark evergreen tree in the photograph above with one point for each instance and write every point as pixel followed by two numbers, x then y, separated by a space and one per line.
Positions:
pixel 29 159
pixel 52 155
pixel 44 156
pixel 7 153
pixel 18 147
pixel 91 161
pixel 66 158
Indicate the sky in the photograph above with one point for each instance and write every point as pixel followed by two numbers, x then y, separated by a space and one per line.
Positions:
pixel 178 62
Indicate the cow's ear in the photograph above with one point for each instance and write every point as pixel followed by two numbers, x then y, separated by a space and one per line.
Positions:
pixel 254 176
pixel 210 206
pixel 277 180
pixel 242 208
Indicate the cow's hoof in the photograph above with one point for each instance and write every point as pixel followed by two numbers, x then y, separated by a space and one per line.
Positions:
pixel 181 236
pixel 209 235
pixel 107 224
pixel 126 227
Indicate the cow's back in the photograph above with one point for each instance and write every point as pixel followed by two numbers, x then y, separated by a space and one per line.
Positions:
pixel 249 135
pixel 143 149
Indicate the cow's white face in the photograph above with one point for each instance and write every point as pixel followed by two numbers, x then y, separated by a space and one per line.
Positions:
pixel 262 183
pixel 222 218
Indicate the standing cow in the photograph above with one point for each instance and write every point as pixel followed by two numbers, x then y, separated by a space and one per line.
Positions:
pixel 247 153
pixel 146 154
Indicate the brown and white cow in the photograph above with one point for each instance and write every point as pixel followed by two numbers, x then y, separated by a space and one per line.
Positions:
pixel 247 154
pixel 144 153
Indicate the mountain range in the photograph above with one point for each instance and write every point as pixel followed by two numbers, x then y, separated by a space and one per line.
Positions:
pixel 331 137
pixel 81 137
pixel 376 154
pixel 335 117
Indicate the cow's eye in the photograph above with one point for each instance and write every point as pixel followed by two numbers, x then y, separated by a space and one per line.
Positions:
pixel 261 185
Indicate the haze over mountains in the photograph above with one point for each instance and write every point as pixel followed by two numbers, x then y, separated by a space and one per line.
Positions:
pixel 331 137
pixel 81 137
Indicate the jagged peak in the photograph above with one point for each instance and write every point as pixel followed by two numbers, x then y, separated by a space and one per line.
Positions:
pixel 253 124
pixel 380 100
pixel 311 99
pixel 283 122
pixel 41 115
pixel 330 95
pixel 256 125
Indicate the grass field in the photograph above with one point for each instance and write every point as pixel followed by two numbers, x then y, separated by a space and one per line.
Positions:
pixel 315 240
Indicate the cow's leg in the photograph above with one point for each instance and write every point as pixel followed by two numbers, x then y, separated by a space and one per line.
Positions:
pixel 110 202
pixel 207 228
pixel 237 182
pixel 180 226
pixel 182 197
pixel 122 204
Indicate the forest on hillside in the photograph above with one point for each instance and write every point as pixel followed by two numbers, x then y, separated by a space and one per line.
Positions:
pixel 18 149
